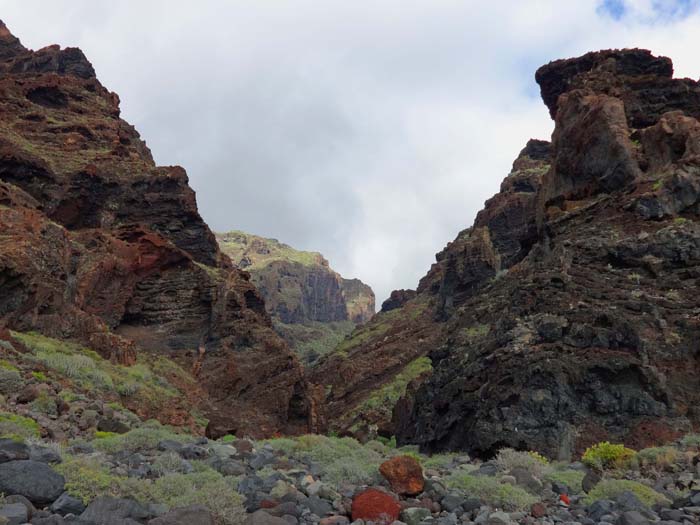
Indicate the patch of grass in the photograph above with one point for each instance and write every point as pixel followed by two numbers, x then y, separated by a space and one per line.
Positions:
pixel 474 332
pixel 658 458
pixel 491 491
pixel 340 459
pixel 145 383
pixel 612 488
pixel 570 478
pixel 40 376
pixel 607 455
pixel 260 251
pixel 439 461
pixel 508 459
pixel 45 404
pixel 691 440
pixel 385 397
pixel 144 438
pixel 18 427
pixel 310 341
pixel 208 488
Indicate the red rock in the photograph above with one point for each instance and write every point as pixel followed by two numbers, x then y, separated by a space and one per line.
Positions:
pixel 565 499
pixel 538 510
pixel 269 504
pixel 375 505
pixel 404 474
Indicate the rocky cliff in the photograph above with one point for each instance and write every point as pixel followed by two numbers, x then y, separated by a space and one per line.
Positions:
pixel 101 246
pixel 311 305
pixel 567 313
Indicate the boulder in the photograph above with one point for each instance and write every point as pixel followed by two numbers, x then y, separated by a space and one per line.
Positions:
pixel 11 450
pixel 34 480
pixel 260 517
pixel 404 474
pixel 14 513
pixel 67 504
pixel 376 506
pixel 414 515
pixel 114 511
pixel 191 515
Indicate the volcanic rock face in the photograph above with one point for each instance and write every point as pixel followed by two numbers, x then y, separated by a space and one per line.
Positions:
pixel 567 313
pixel 311 305
pixel 99 245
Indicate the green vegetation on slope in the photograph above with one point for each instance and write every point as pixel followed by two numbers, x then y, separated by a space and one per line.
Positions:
pixel 258 252
pixel 312 340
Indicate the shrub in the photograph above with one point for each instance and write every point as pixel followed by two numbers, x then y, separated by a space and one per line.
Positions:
pixel 228 438
pixel 207 488
pixel 138 439
pixel 606 455
pixel 492 492
pixel 570 478
pixel 87 478
pixel 18 427
pixel 508 459
pixel 612 488
pixel 340 459
pixel 691 440
pixel 40 376
pixel 660 458
pixel 168 463
pixel 10 380
pixel 439 461
pixel 45 404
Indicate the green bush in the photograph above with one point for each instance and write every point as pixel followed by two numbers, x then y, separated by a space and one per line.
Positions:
pixel 570 478
pixel 168 463
pixel 492 492
pixel 606 455
pixel 138 439
pixel 87 478
pixel 10 380
pixel 691 441
pixel 508 459
pixel 18 427
pixel 612 488
pixel 40 376
pixel 658 458
pixel 340 459
pixel 439 461
pixel 45 404
pixel 208 488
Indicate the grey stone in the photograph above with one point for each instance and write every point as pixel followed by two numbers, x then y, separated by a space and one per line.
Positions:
pixel 414 515
pixel 11 450
pixel 487 469
pixel 169 445
pixel 191 515
pixel 261 517
pixel 319 506
pixel 498 518
pixel 115 511
pixel 632 517
pixel 526 479
pixel 67 504
pixel 590 480
pixel 288 508
pixel 16 498
pixel 629 501
pixel 452 502
pixel 35 481
pixel 15 513
pixel 44 454
pixel 191 451
pixel 600 508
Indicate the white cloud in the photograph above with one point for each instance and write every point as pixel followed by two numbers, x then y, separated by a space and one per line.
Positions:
pixel 370 131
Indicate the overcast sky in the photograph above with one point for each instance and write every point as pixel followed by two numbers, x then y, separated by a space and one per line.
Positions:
pixel 369 130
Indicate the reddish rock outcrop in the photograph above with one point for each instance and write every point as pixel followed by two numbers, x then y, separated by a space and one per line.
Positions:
pixel 101 246
pixel 404 474
pixel 375 506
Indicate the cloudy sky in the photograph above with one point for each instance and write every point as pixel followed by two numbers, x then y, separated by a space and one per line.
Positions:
pixel 369 130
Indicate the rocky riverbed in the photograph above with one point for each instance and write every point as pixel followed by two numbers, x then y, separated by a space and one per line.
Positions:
pixel 152 475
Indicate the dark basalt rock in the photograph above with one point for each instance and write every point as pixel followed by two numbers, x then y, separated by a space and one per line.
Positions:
pixel 397 299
